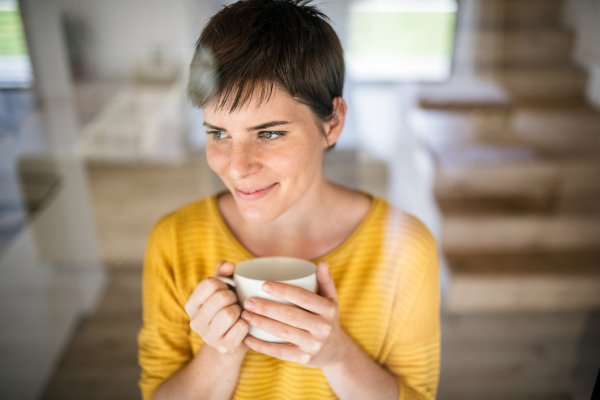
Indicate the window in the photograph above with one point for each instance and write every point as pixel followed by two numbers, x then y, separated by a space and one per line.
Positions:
pixel 400 40
pixel 15 67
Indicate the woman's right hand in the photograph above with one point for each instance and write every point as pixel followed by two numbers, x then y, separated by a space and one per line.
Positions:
pixel 215 314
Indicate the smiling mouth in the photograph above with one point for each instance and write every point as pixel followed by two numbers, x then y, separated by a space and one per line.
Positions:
pixel 253 193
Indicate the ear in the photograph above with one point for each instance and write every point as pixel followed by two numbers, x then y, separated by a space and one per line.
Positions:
pixel 333 127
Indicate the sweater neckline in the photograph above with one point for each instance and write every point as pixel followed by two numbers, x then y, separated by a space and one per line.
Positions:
pixel 375 205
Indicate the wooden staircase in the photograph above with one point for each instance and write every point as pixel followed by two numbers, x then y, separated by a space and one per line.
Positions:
pixel 518 179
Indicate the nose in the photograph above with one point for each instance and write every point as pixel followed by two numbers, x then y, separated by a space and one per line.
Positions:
pixel 243 160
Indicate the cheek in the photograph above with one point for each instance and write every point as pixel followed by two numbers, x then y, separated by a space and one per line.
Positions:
pixel 298 160
pixel 217 158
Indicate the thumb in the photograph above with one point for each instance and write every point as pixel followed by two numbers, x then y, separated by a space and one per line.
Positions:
pixel 225 268
pixel 326 284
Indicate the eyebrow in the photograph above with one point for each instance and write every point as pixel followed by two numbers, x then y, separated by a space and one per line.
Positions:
pixel 254 128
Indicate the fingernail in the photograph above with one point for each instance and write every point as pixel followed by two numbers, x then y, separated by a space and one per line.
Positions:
pixel 246 316
pixel 267 287
pixel 222 349
pixel 249 305
pixel 249 341
pixel 306 358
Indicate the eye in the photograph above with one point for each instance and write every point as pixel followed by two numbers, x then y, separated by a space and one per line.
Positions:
pixel 217 134
pixel 271 135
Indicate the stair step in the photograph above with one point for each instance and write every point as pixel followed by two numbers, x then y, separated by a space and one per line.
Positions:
pixel 538 179
pixel 519 13
pixel 523 47
pixel 505 205
pixel 563 119
pixel 502 232
pixel 526 263
pixel 464 94
pixel 482 153
pixel 552 132
pixel 558 128
pixel 446 129
pixel 521 281
pixel 585 204
pixel 549 85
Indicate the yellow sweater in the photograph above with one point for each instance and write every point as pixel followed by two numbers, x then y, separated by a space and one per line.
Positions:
pixel 386 275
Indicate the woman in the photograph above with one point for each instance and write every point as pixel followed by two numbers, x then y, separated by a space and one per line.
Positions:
pixel 372 330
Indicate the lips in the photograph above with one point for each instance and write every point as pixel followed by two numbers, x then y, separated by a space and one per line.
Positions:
pixel 253 193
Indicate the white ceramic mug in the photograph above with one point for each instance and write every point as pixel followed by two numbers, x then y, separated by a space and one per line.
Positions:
pixel 251 274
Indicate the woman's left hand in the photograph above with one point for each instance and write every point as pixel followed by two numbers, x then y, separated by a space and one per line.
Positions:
pixel 314 332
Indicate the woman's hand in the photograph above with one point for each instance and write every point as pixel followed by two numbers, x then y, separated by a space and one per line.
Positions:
pixel 315 333
pixel 214 313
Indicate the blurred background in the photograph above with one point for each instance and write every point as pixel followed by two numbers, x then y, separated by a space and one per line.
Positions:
pixel 481 117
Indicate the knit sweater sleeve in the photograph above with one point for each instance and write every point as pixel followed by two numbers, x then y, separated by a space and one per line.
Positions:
pixel 163 340
pixel 415 353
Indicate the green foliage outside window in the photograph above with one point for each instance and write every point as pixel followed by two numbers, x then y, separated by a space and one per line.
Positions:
pixel 401 33
pixel 12 39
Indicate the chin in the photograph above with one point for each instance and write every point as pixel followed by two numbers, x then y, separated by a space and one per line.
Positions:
pixel 257 214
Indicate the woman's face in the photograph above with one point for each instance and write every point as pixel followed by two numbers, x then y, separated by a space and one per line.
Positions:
pixel 269 155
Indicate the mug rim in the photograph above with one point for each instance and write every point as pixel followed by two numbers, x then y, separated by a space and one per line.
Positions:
pixel 309 268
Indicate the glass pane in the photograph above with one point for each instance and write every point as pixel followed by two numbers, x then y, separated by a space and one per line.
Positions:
pixel 401 40
pixel 15 67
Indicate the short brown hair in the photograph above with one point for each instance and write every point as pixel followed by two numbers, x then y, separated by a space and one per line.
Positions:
pixel 254 44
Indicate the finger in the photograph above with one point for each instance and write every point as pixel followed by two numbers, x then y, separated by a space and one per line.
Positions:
pixel 224 319
pixel 278 350
pixel 206 288
pixel 304 298
pixel 286 314
pixel 297 336
pixel 224 268
pixel 326 284
pixel 213 305
pixel 234 336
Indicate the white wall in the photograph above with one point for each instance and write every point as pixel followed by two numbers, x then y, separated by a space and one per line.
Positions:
pixel 47 51
pixel 583 16
pixel 337 11
pixel 127 32
pixel 197 14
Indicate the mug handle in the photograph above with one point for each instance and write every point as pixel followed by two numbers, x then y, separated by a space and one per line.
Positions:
pixel 228 281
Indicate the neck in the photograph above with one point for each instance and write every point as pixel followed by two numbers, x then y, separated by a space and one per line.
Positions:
pixel 316 203
pixel 320 221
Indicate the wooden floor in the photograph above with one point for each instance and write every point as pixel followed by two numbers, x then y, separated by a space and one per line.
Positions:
pixel 101 361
